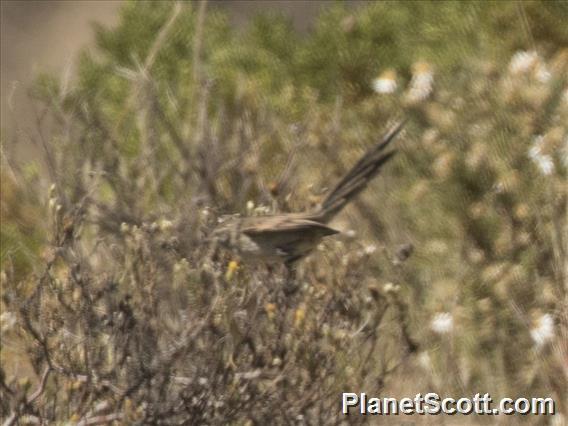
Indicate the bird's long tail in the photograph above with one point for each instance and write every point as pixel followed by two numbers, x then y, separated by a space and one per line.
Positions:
pixel 350 185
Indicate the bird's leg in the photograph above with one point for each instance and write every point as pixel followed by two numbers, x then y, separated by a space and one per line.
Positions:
pixel 291 284
pixel 212 251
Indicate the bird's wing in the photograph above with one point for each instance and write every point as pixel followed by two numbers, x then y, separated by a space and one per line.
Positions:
pixel 286 236
pixel 284 224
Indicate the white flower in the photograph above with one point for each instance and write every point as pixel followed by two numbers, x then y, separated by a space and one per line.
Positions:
pixel 261 210
pixel 391 288
pixel 523 61
pixel 350 233
pixel 52 203
pixel 166 225
pixel 545 164
pixel 543 331
pixel 442 323
pixel 181 266
pixel 543 161
pixel 385 83
pixel 542 74
pixel 421 83
pixel 370 249
pixel 425 361
pixel 7 321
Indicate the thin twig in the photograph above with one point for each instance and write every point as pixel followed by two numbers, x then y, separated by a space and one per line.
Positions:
pixel 98 420
pixel 402 314
pixel 198 43
pixel 525 22
pixel 38 392
pixel 162 36
pixel 41 386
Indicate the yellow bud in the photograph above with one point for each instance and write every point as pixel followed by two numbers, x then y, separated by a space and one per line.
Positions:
pixel 421 67
pixel 217 320
pixel 24 382
pixel 76 295
pixel 477 210
pixel 165 225
pixel 339 334
pixel 128 406
pixel 522 211
pixel 231 269
pixel 270 309
pixel 299 316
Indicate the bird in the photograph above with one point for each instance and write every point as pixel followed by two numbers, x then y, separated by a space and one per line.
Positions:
pixel 289 237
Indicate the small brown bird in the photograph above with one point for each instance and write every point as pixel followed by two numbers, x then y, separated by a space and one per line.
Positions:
pixel 291 236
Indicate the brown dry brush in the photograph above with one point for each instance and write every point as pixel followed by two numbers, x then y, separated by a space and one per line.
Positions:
pixel 147 334
pixel 131 317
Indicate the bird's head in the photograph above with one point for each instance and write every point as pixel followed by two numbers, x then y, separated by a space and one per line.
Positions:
pixel 224 232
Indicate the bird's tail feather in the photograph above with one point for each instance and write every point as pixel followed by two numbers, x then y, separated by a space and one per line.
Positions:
pixel 358 177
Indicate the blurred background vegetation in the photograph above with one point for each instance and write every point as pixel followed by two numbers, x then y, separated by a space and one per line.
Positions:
pixel 451 273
